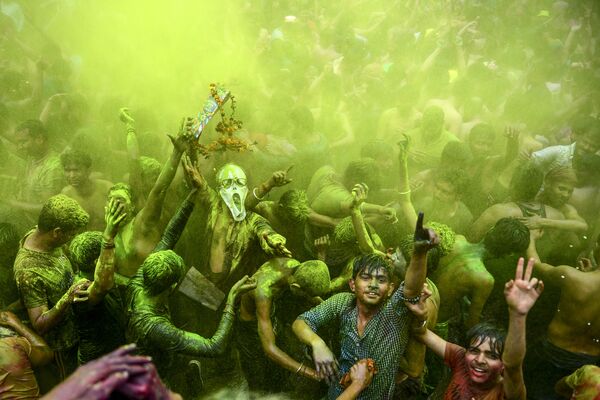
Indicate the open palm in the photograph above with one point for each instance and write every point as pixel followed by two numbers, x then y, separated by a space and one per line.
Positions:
pixel 522 292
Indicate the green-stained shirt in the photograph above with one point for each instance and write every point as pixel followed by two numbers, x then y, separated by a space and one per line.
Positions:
pixel 42 279
pixel 43 178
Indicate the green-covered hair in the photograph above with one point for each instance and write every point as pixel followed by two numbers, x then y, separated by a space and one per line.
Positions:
pixel 161 270
pixel 62 212
pixel 84 250
pixel 313 277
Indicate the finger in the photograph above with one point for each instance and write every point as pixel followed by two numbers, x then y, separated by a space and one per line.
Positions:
pixel 529 269
pixel 519 272
pixel 289 168
pixel 121 351
pixel 420 218
pixel 120 218
pixel 104 388
pixel 533 283
pixel 540 287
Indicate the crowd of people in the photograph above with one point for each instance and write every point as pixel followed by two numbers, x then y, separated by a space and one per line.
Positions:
pixel 375 212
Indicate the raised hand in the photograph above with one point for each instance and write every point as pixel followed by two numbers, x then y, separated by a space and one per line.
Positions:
pixel 280 178
pixel 522 292
pixel 185 135
pixel 274 243
pixel 125 116
pixel 242 286
pixel 360 192
pixel 113 216
pixel 512 132
pixel 192 173
pixel 424 238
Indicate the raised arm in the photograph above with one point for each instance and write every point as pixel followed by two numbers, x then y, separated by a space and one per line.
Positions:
pixel 152 210
pixel 104 274
pixel 279 178
pixel 549 272
pixel 521 294
pixel 406 205
pixel 365 244
pixel 424 240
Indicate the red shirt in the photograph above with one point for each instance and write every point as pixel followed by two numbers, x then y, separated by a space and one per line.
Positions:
pixel 460 387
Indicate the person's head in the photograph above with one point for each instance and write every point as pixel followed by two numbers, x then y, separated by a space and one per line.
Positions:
pixel 84 250
pixel 293 206
pixel 76 166
pixel 371 280
pixel 61 218
pixel 379 151
pixel 447 239
pixel 311 278
pixel 455 155
pixel 525 183
pixel 586 134
pixel 363 171
pixel 484 344
pixel 9 244
pixel 448 185
pixel 507 236
pixel 31 138
pixel 231 184
pixel 162 271
pixel 432 121
pixel 123 194
pixel 149 170
pixel 559 184
pixel 481 140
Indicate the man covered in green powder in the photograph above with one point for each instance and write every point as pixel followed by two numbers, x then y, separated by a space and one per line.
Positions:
pixel 46 282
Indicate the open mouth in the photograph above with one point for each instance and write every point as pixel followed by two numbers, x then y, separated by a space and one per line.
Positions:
pixel 237 201
pixel 478 373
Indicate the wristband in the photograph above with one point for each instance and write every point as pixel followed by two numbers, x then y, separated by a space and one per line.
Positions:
pixel 108 244
pixel 256 196
pixel 411 300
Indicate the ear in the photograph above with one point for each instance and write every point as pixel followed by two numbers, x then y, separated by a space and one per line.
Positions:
pixel 295 285
pixel 391 289
pixel 56 232
pixel 352 286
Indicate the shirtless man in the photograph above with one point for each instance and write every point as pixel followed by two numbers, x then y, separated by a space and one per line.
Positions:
pixel 524 186
pixel 90 193
pixel 275 278
pixel 139 233
pixel 573 337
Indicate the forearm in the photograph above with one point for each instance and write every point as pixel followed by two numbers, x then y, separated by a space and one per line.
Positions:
pixel 196 345
pixel 177 223
pixel 257 195
pixel 281 358
pixel 415 275
pixel 133 148
pixel 52 317
pixel 305 334
pixel 364 241
pixel 351 392
pixel 104 274
pixel 514 348
pixel 321 220
pixel 33 338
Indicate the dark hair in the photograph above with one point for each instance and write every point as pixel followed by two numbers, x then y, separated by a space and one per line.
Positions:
pixel 84 249
pixel 484 131
pixel 313 277
pixel 363 171
pixel 34 127
pixel 76 157
pixel 294 204
pixel 525 183
pixel 62 212
pixel 455 176
pixel 508 235
pixel 485 330
pixel 455 154
pixel 369 263
pixel 161 270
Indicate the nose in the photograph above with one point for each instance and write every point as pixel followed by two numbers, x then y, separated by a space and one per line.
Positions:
pixel 480 358
pixel 373 283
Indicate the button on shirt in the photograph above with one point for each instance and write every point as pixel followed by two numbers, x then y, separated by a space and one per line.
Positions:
pixel 384 339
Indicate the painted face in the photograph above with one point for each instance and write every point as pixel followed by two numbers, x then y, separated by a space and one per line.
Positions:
pixel 372 288
pixel 559 193
pixel 76 174
pixel 121 196
pixel 484 364
pixel 231 181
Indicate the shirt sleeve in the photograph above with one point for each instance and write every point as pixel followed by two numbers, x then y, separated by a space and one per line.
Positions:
pixel 327 311
pixel 31 289
pixel 453 355
pixel 175 227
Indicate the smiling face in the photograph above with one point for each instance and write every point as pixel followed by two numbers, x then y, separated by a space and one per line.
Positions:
pixel 484 363
pixel 559 193
pixel 372 287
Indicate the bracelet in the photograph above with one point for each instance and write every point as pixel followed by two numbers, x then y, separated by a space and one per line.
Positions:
pixel 255 196
pixel 108 244
pixel 411 300
pixel 407 192
pixel 300 367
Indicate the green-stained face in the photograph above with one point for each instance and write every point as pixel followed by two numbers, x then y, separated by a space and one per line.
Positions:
pixel 122 196
pixel 231 181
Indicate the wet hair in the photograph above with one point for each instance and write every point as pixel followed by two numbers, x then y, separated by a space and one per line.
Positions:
pixel 483 131
pixel 84 250
pixel 363 171
pixel 455 154
pixel 485 330
pixel 376 149
pixel 77 157
pixel 455 176
pixel 561 174
pixel 313 277
pixel 369 263
pixel 294 204
pixel 62 212
pixel 508 235
pixel 34 128
pixel 161 270
pixel 125 187
pixel 525 183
